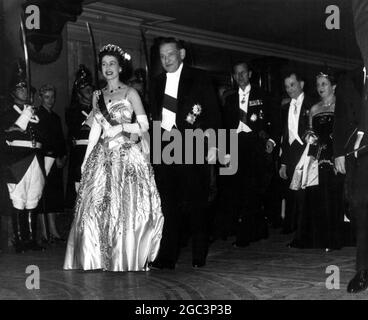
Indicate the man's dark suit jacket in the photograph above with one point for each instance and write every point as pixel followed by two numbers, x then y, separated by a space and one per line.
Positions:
pixel 348 112
pixel 195 87
pixel 260 114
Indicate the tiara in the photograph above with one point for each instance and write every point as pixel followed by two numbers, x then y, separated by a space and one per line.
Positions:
pixel 115 48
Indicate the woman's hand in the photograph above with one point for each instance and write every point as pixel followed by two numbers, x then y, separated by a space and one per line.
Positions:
pixel 310 137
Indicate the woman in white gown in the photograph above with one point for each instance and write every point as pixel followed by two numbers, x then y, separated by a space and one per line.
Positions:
pixel 118 219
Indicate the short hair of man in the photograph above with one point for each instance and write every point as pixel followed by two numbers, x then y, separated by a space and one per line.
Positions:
pixel 165 40
pixel 291 72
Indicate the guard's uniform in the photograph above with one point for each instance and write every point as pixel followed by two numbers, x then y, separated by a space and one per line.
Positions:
pixel 79 125
pixel 79 128
pixel 23 162
pixel 78 119
pixel 24 170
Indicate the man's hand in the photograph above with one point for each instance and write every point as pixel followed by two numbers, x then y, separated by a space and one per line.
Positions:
pixel 340 164
pixel 25 117
pixel 28 111
pixel 269 146
pixel 282 172
pixel 212 155
pixel 60 162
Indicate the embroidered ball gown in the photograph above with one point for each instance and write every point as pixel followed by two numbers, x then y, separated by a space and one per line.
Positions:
pixel 118 219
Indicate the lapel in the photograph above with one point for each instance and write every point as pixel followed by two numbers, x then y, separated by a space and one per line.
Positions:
pixel 303 116
pixel 233 112
pixel 184 84
pixel 160 91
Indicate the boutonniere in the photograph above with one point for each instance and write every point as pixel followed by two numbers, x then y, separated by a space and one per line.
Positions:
pixel 258 102
pixel 253 117
pixel 192 116
pixel 197 109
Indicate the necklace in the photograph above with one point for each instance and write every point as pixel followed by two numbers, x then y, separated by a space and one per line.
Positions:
pixel 114 90
pixel 328 104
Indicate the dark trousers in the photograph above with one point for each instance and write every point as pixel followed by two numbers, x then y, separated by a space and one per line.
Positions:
pixel 294 199
pixel 242 193
pixel 184 192
pixel 293 210
pixel 360 210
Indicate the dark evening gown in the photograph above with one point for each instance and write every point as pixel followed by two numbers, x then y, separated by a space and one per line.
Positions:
pixel 322 221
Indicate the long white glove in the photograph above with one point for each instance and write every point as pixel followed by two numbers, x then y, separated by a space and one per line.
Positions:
pixel 25 117
pixel 139 127
pixel 357 142
pixel 89 119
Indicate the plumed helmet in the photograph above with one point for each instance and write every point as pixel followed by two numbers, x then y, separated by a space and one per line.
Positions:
pixel 83 78
pixel 18 78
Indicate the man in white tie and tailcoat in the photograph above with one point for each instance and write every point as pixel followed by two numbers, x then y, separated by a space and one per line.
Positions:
pixel 249 112
pixel 295 123
pixel 182 99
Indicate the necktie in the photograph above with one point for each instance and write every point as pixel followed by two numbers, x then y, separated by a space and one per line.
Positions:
pixel 293 121
pixel 243 99
pixel 295 107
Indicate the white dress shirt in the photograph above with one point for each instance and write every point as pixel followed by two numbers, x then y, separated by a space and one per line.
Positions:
pixel 293 118
pixel 171 89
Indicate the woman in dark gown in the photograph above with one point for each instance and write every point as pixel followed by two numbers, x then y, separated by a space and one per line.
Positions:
pixel 52 202
pixel 321 224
